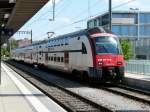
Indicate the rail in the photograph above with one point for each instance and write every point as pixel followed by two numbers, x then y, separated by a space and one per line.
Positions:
pixel 138 67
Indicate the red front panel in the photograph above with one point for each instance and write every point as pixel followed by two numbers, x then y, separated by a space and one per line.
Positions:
pixel 111 60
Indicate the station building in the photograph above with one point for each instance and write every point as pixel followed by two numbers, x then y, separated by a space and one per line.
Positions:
pixel 127 24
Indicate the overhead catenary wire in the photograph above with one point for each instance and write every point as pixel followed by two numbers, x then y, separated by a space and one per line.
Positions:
pixel 85 19
pixel 39 18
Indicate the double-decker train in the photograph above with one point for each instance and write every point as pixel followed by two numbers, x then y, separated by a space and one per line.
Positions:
pixel 93 54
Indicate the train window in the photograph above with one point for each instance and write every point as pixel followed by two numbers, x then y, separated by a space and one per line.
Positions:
pixel 58 59
pixel 51 58
pixel 54 58
pixel 62 59
pixel 66 43
pixel 84 51
pixel 40 52
pixel 78 38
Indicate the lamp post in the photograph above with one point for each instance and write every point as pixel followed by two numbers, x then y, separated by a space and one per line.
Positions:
pixel 110 14
pixel 138 26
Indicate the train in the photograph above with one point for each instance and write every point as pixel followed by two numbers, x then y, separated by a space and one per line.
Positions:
pixel 93 55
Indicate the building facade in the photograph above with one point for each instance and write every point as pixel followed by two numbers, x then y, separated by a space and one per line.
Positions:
pixel 23 42
pixel 134 26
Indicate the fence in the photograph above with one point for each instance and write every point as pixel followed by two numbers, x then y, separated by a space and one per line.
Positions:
pixel 138 67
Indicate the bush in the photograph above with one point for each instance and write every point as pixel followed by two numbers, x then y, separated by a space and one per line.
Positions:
pixel 126 48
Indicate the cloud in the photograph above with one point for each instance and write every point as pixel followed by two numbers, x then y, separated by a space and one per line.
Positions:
pixel 62 20
pixel 65 20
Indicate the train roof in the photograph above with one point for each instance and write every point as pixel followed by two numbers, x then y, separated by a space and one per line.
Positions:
pixel 73 34
pixel 83 32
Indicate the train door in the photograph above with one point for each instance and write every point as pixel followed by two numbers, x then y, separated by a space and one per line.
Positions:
pixel 84 55
pixel 31 58
pixel 46 59
pixel 66 60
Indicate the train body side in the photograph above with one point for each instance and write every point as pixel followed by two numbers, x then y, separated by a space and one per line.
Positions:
pixel 76 54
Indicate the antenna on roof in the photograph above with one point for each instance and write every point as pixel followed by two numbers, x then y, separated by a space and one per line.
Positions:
pixel 50 34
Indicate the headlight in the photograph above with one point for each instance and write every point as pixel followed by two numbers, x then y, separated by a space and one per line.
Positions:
pixel 119 63
pixel 100 63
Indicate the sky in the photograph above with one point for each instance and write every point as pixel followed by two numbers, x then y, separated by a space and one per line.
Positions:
pixel 72 15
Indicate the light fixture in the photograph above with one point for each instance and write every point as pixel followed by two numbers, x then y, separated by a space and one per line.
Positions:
pixel 3 25
pixel 6 16
pixel 12 1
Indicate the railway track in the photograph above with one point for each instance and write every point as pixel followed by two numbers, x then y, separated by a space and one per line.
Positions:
pixel 135 94
pixel 74 105
pixel 70 101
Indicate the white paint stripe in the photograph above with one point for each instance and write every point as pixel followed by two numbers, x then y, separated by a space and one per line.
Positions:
pixel 32 99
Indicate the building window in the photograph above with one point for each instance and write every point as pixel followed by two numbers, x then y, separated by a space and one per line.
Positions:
pixel 147 29
pixel 148 18
pixel 116 29
pixel 125 30
pixel 142 18
pixel 145 18
pixel 132 31
pixel 117 15
pixel 142 30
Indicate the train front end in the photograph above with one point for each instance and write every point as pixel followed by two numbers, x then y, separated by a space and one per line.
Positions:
pixel 108 58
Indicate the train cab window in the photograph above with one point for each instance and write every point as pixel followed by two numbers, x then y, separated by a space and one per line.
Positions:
pixel 84 51
pixel 62 59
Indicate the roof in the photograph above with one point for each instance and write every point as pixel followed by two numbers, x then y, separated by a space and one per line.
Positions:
pixel 18 13
pixel 118 12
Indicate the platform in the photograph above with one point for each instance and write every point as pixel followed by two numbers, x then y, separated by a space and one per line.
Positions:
pixel 18 95
pixel 137 80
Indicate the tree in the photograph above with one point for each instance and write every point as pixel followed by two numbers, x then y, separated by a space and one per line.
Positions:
pixel 13 43
pixel 126 48
pixel 5 49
